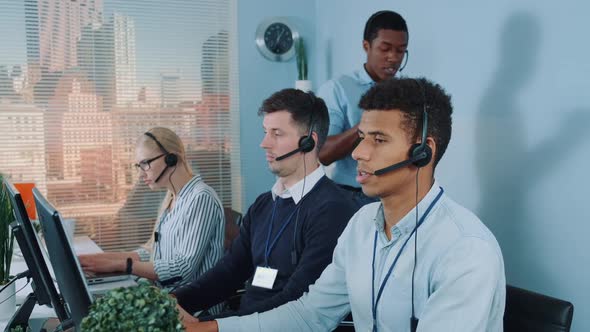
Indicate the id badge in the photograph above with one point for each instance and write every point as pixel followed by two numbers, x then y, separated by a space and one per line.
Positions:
pixel 264 277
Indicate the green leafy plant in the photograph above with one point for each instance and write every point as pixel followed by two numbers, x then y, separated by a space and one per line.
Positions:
pixel 142 308
pixel 301 57
pixel 6 236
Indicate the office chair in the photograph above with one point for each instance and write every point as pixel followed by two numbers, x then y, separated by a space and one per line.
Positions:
pixel 525 311
pixel 233 221
pixel 345 325
pixel 530 311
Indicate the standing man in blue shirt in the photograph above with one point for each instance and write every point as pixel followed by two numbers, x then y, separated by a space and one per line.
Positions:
pixel 385 41
pixel 289 233
pixel 416 260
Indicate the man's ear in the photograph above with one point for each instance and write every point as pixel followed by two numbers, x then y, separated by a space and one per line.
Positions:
pixel 366 46
pixel 316 138
pixel 432 144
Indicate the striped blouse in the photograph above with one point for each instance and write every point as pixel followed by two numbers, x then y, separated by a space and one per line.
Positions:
pixel 190 236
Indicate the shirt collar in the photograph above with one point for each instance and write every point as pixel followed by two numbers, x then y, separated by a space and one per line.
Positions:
pixel 295 191
pixel 408 222
pixel 363 77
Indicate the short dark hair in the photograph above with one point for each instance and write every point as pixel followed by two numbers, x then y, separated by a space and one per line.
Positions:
pixel 384 19
pixel 305 109
pixel 410 96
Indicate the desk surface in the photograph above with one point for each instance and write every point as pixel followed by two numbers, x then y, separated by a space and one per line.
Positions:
pixel 82 245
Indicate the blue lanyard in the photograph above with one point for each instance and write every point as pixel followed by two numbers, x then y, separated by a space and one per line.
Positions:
pixel 375 301
pixel 268 248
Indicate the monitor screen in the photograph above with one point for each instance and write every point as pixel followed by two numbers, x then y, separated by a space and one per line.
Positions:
pixel 43 286
pixel 66 267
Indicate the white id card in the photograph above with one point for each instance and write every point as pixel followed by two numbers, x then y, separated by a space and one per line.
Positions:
pixel 264 277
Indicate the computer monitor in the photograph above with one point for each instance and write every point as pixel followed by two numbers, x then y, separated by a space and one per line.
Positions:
pixel 43 287
pixel 66 267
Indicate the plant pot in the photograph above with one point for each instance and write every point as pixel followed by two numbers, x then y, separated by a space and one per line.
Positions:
pixel 7 308
pixel 303 85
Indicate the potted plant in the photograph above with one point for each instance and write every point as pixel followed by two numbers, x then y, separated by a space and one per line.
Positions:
pixel 6 247
pixel 302 82
pixel 141 308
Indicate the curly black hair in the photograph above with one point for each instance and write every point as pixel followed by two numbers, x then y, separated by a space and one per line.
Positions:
pixel 411 97
pixel 305 108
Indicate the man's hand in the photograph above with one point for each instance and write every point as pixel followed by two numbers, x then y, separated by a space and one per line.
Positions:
pixel 210 326
pixel 185 317
pixel 192 324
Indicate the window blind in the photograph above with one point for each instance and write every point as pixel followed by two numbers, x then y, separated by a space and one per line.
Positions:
pixel 80 80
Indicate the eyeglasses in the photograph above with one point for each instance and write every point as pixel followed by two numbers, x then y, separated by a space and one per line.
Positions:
pixel 144 165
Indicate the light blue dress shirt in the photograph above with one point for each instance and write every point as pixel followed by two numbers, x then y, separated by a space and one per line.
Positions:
pixel 342 96
pixel 459 280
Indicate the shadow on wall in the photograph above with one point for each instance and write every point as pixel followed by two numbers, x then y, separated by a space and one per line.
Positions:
pixel 509 168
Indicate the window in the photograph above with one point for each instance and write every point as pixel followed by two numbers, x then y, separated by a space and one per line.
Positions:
pixel 82 79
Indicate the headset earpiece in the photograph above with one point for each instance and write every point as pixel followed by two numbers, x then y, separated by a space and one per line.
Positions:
pixel 171 159
pixel 421 153
pixel 306 143
pixel 418 149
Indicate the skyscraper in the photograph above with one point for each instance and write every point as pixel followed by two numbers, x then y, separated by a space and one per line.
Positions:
pixel 107 56
pixel 125 61
pixel 170 90
pixel 53 28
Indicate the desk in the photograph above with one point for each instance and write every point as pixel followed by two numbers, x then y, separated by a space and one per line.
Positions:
pixel 82 245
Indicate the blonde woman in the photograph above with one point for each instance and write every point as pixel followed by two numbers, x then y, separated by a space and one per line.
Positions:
pixel 189 232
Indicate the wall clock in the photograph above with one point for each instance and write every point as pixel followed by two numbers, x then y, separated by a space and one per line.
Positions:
pixel 275 38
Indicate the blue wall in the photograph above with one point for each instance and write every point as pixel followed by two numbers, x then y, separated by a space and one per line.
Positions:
pixel 259 78
pixel 519 76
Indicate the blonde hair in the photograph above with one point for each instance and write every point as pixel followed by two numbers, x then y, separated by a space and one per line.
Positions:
pixel 172 144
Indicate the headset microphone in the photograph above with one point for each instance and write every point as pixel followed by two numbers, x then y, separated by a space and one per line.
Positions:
pixel 419 157
pixel 306 143
pixel 161 174
pixel 170 159
pixel 289 154
pixel 405 61
pixel 420 153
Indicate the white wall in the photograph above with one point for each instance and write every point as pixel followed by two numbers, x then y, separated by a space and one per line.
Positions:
pixel 519 76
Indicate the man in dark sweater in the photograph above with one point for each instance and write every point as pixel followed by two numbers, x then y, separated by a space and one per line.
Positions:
pixel 289 233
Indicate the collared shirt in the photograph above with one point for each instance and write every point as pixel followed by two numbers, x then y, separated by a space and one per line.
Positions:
pixel 299 189
pixel 191 235
pixel 300 255
pixel 459 279
pixel 342 96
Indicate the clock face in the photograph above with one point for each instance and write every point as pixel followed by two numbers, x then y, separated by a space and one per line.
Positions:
pixel 278 38
pixel 275 38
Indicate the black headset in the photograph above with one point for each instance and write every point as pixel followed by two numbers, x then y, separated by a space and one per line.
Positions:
pixel 420 153
pixel 170 159
pixel 306 143
pixel 423 155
